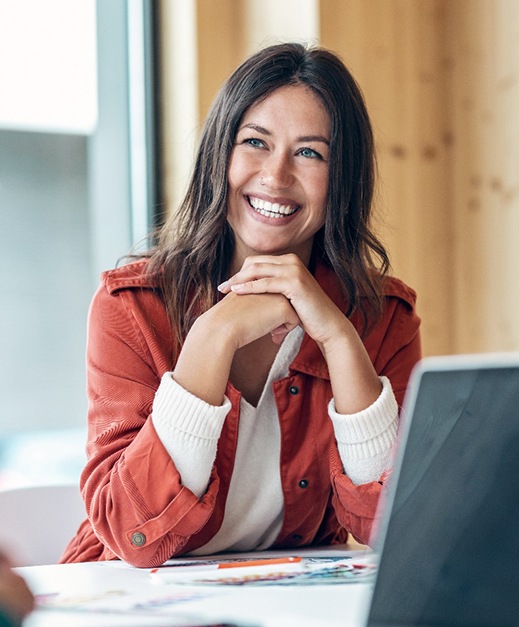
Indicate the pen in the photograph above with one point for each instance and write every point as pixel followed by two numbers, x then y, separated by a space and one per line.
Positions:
pixel 263 564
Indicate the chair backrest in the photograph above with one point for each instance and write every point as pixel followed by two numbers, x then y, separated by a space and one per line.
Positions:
pixel 36 522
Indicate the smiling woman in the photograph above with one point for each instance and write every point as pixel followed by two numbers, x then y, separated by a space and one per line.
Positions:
pixel 278 175
pixel 245 377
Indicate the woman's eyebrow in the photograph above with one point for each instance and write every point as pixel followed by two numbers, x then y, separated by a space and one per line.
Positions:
pixel 314 138
pixel 257 128
pixel 303 138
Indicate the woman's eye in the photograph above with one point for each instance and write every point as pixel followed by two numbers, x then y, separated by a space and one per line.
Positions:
pixel 255 143
pixel 310 153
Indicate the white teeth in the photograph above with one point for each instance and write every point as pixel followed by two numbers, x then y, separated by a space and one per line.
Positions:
pixel 271 210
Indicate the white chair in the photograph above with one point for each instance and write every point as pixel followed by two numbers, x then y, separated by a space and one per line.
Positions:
pixel 36 522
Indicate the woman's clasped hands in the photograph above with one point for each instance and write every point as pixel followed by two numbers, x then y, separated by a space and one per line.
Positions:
pixel 286 276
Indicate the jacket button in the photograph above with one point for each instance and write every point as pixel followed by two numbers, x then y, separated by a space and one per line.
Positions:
pixel 138 539
pixel 303 483
pixel 293 389
pixel 297 537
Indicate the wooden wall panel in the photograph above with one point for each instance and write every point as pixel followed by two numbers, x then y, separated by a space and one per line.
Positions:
pixel 396 51
pixel 484 40
pixel 441 80
pixel 221 44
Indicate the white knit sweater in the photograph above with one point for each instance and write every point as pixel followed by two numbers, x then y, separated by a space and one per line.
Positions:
pixel 189 428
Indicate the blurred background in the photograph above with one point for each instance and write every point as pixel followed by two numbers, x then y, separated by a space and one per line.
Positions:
pixel 100 109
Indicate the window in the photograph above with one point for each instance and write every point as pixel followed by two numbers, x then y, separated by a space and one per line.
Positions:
pixel 77 191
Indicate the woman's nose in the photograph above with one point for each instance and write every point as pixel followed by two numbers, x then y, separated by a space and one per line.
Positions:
pixel 277 172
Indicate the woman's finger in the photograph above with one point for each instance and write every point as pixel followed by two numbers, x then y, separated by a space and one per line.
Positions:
pixel 258 267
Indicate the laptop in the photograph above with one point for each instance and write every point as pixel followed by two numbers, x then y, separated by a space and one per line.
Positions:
pixel 448 537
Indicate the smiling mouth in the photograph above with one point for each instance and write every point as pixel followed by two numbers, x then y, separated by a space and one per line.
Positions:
pixel 270 209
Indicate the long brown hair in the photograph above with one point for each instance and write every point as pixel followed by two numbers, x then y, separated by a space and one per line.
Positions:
pixel 195 245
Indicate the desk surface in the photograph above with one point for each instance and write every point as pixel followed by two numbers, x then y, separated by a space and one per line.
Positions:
pixel 135 598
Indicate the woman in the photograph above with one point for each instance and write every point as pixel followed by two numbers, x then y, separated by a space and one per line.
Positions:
pixel 244 380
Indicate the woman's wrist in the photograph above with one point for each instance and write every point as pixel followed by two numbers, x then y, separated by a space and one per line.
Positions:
pixel 349 362
pixel 205 377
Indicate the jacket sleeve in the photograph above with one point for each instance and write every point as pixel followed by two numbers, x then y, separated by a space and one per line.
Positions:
pixel 134 497
pixel 394 347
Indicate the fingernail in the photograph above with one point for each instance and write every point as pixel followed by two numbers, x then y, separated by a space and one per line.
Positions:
pixel 222 286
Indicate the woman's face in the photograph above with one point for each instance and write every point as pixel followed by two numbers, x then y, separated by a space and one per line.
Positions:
pixel 278 175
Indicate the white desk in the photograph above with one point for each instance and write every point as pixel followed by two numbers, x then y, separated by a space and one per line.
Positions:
pixel 331 605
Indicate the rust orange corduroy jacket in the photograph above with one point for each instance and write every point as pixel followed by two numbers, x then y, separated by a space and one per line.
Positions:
pixel 138 509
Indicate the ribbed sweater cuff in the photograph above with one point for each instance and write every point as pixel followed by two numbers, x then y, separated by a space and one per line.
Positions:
pixel 366 439
pixel 176 409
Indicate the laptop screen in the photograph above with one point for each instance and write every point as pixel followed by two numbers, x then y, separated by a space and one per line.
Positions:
pixel 450 551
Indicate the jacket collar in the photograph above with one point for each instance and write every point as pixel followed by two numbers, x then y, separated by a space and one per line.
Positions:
pixel 309 359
